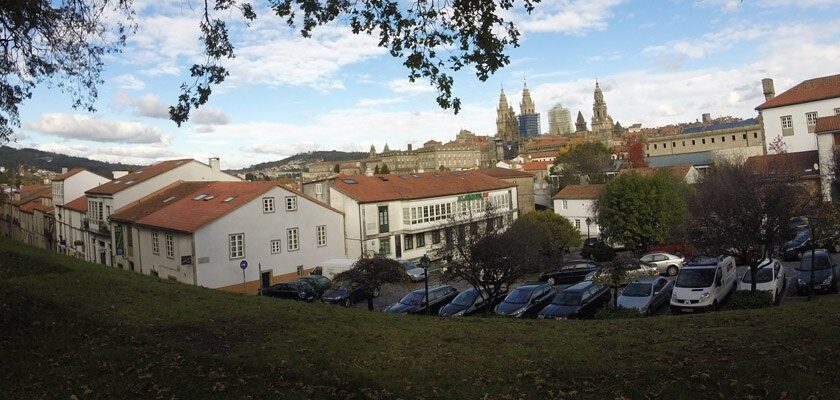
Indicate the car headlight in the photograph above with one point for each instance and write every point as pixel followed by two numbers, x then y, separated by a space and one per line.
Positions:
pixel 459 313
pixel 673 297
pixel 705 296
pixel 801 282
pixel 518 312
pixel 827 280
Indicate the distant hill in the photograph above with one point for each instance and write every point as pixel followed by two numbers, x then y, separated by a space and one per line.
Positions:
pixel 312 156
pixel 11 158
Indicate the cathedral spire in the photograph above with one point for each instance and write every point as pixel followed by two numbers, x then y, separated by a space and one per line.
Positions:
pixel 527 105
pixel 602 123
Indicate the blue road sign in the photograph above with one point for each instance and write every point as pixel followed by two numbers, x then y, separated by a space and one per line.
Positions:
pixel 243 264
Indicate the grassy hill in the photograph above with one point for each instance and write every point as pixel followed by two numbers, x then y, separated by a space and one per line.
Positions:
pixel 74 328
pixel 11 158
pixel 311 156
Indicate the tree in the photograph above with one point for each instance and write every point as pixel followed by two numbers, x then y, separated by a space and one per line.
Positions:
pixel 619 272
pixel 555 234
pixel 777 146
pixel 590 159
pixel 740 211
pixel 64 41
pixel 376 170
pixel 374 272
pixel 384 169
pixel 337 168
pixel 635 146
pixel 640 211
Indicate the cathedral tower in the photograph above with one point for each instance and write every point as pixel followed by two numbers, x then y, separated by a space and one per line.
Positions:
pixel 506 128
pixel 602 123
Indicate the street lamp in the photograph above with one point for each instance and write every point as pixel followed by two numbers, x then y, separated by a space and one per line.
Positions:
pixel 424 263
pixel 588 222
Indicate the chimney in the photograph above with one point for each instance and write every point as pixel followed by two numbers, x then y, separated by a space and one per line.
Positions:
pixel 119 174
pixel 707 117
pixel 214 166
pixel 769 90
pixel 409 147
pixel 63 170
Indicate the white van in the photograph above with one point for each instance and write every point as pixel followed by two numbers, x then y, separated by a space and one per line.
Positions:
pixel 703 285
pixel 331 268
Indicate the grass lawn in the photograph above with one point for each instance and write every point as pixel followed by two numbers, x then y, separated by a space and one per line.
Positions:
pixel 70 328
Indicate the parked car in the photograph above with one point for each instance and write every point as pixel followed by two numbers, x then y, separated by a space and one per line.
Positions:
pixel 703 285
pixel 770 277
pixel 295 290
pixel 469 302
pixel 635 271
pixel 526 300
pixel 646 294
pixel 571 272
pixel 348 293
pixel 580 301
pixel 825 273
pixel 592 247
pixel 794 248
pixel 665 263
pixel 415 273
pixel 415 302
pixel 318 282
pixel 678 249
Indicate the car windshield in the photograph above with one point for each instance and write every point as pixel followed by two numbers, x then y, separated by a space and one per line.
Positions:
pixel 408 266
pixel 763 275
pixel 466 298
pixel 695 278
pixel 343 285
pixel 820 261
pixel 819 275
pixel 801 237
pixel 567 299
pixel 413 299
pixel 519 296
pixel 637 289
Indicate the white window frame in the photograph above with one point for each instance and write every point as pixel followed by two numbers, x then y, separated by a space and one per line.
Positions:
pixel 321 235
pixel 291 203
pixel 170 245
pixel 319 188
pixel 236 246
pixel 155 244
pixel 811 118
pixel 787 121
pixel 837 111
pixel 565 204
pixel 293 239
pixel 276 246
pixel 268 205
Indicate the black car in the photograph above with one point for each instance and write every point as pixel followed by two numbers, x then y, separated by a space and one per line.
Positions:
pixel 794 248
pixel 825 273
pixel 526 301
pixel 415 302
pixel 469 302
pixel 319 282
pixel 348 293
pixel 296 290
pixel 577 302
pixel 570 272
pixel 589 246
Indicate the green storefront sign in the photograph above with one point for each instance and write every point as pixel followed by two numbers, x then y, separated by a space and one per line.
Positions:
pixel 468 197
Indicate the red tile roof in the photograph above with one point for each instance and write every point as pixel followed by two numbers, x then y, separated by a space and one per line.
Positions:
pixel 828 124
pixel 544 154
pixel 390 187
pixel 800 163
pixel 80 204
pixel 138 176
pixel 36 205
pixel 32 192
pixel 33 188
pixel 826 87
pixel 581 192
pixel 68 174
pixel 505 173
pixel 158 200
pixel 537 165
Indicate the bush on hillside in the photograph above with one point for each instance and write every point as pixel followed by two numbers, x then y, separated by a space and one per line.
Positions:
pixel 745 300
pixel 617 313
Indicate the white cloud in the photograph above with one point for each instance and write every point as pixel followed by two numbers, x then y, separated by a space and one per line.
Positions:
pixel 129 82
pixel 379 102
pixel 403 85
pixel 737 5
pixel 571 17
pixel 709 43
pixel 148 105
pixel 84 127
pixel 209 116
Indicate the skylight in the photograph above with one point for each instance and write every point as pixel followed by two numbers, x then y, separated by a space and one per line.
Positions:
pixel 228 199
pixel 117 181
pixel 350 181
pixel 208 198
pixel 199 197
pixel 138 172
pixel 129 182
pixel 169 199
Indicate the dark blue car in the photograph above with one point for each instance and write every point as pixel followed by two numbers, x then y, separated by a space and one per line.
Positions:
pixel 577 302
pixel 526 301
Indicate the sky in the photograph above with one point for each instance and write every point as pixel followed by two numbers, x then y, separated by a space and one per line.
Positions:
pixel 657 61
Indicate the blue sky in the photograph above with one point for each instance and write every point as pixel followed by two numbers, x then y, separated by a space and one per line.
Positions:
pixel 659 62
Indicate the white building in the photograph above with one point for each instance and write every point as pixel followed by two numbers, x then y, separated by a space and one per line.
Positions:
pixel 406 216
pixel 200 232
pixel 828 138
pixel 559 120
pixel 577 203
pixel 792 115
pixel 70 187
pixel 72 184
pixel 103 200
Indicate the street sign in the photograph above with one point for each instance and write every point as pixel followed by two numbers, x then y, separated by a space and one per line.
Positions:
pixel 243 264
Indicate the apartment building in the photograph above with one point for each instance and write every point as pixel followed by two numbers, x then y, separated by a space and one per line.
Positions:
pixel 828 140
pixel 791 117
pixel 105 199
pixel 27 215
pixel 405 216
pixel 525 183
pixel 70 187
pixel 201 232
pixel 577 204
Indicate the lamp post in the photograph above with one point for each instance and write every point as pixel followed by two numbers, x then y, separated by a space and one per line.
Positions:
pixel 424 263
pixel 588 222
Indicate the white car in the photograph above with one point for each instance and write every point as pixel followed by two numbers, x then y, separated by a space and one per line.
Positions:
pixel 770 277
pixel 666 263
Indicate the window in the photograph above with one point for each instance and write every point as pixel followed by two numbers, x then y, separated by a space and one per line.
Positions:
pixel 321 235
pixel 155 243
pixel 565 204
pixel 745 136
pixel 275 246
pixel 723 139
pixel 420 240
pixel 319 188
pixel 787 122
pixel 170 246
pixel 837 111
pixel 755 135
pixel 693 142
pixel 237 245
pixel 577 223
pixel 383 219
pixel 385 246
pixel 435 237
pixel 293 239
pixel 811 118
pixel 291 203
pixel 268 204
pixel 703 141
pixel 713 140
pixel 654 146
pixel 408 242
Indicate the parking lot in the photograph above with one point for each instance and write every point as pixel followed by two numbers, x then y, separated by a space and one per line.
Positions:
pixel 390 294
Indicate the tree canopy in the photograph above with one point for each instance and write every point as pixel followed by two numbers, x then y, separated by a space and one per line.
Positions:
pixel 374 272
pixel 554 233
pixel 591 159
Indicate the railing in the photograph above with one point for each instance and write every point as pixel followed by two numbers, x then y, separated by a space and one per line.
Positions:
pixel 104 228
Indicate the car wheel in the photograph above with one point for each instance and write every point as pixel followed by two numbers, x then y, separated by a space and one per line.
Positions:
pixel 348 302
pixel 376 293
pixel 551 281
pixel 672 270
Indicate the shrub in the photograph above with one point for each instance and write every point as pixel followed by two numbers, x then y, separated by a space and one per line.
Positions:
pixel 603 253
pixel 617 313
pixel 745 300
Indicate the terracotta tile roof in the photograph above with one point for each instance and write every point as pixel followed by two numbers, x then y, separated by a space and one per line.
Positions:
pixel 138 176
pixel 35 204
pixel 800 163
pixel 502 173
pixel 581 192
pixel 826 87
pixel 33 188
pixel 32 192
pixel 80 204
pixel 68 174
pixel 828 124
pixel 544 154
pixel 678 171
pixel 537 165
pixel 389 187
pixel 43 208
pixel 157 200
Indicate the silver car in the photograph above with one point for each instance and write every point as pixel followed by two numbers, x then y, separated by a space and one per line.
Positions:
pixel 415 273
pixel 666 263
pixel 646 294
